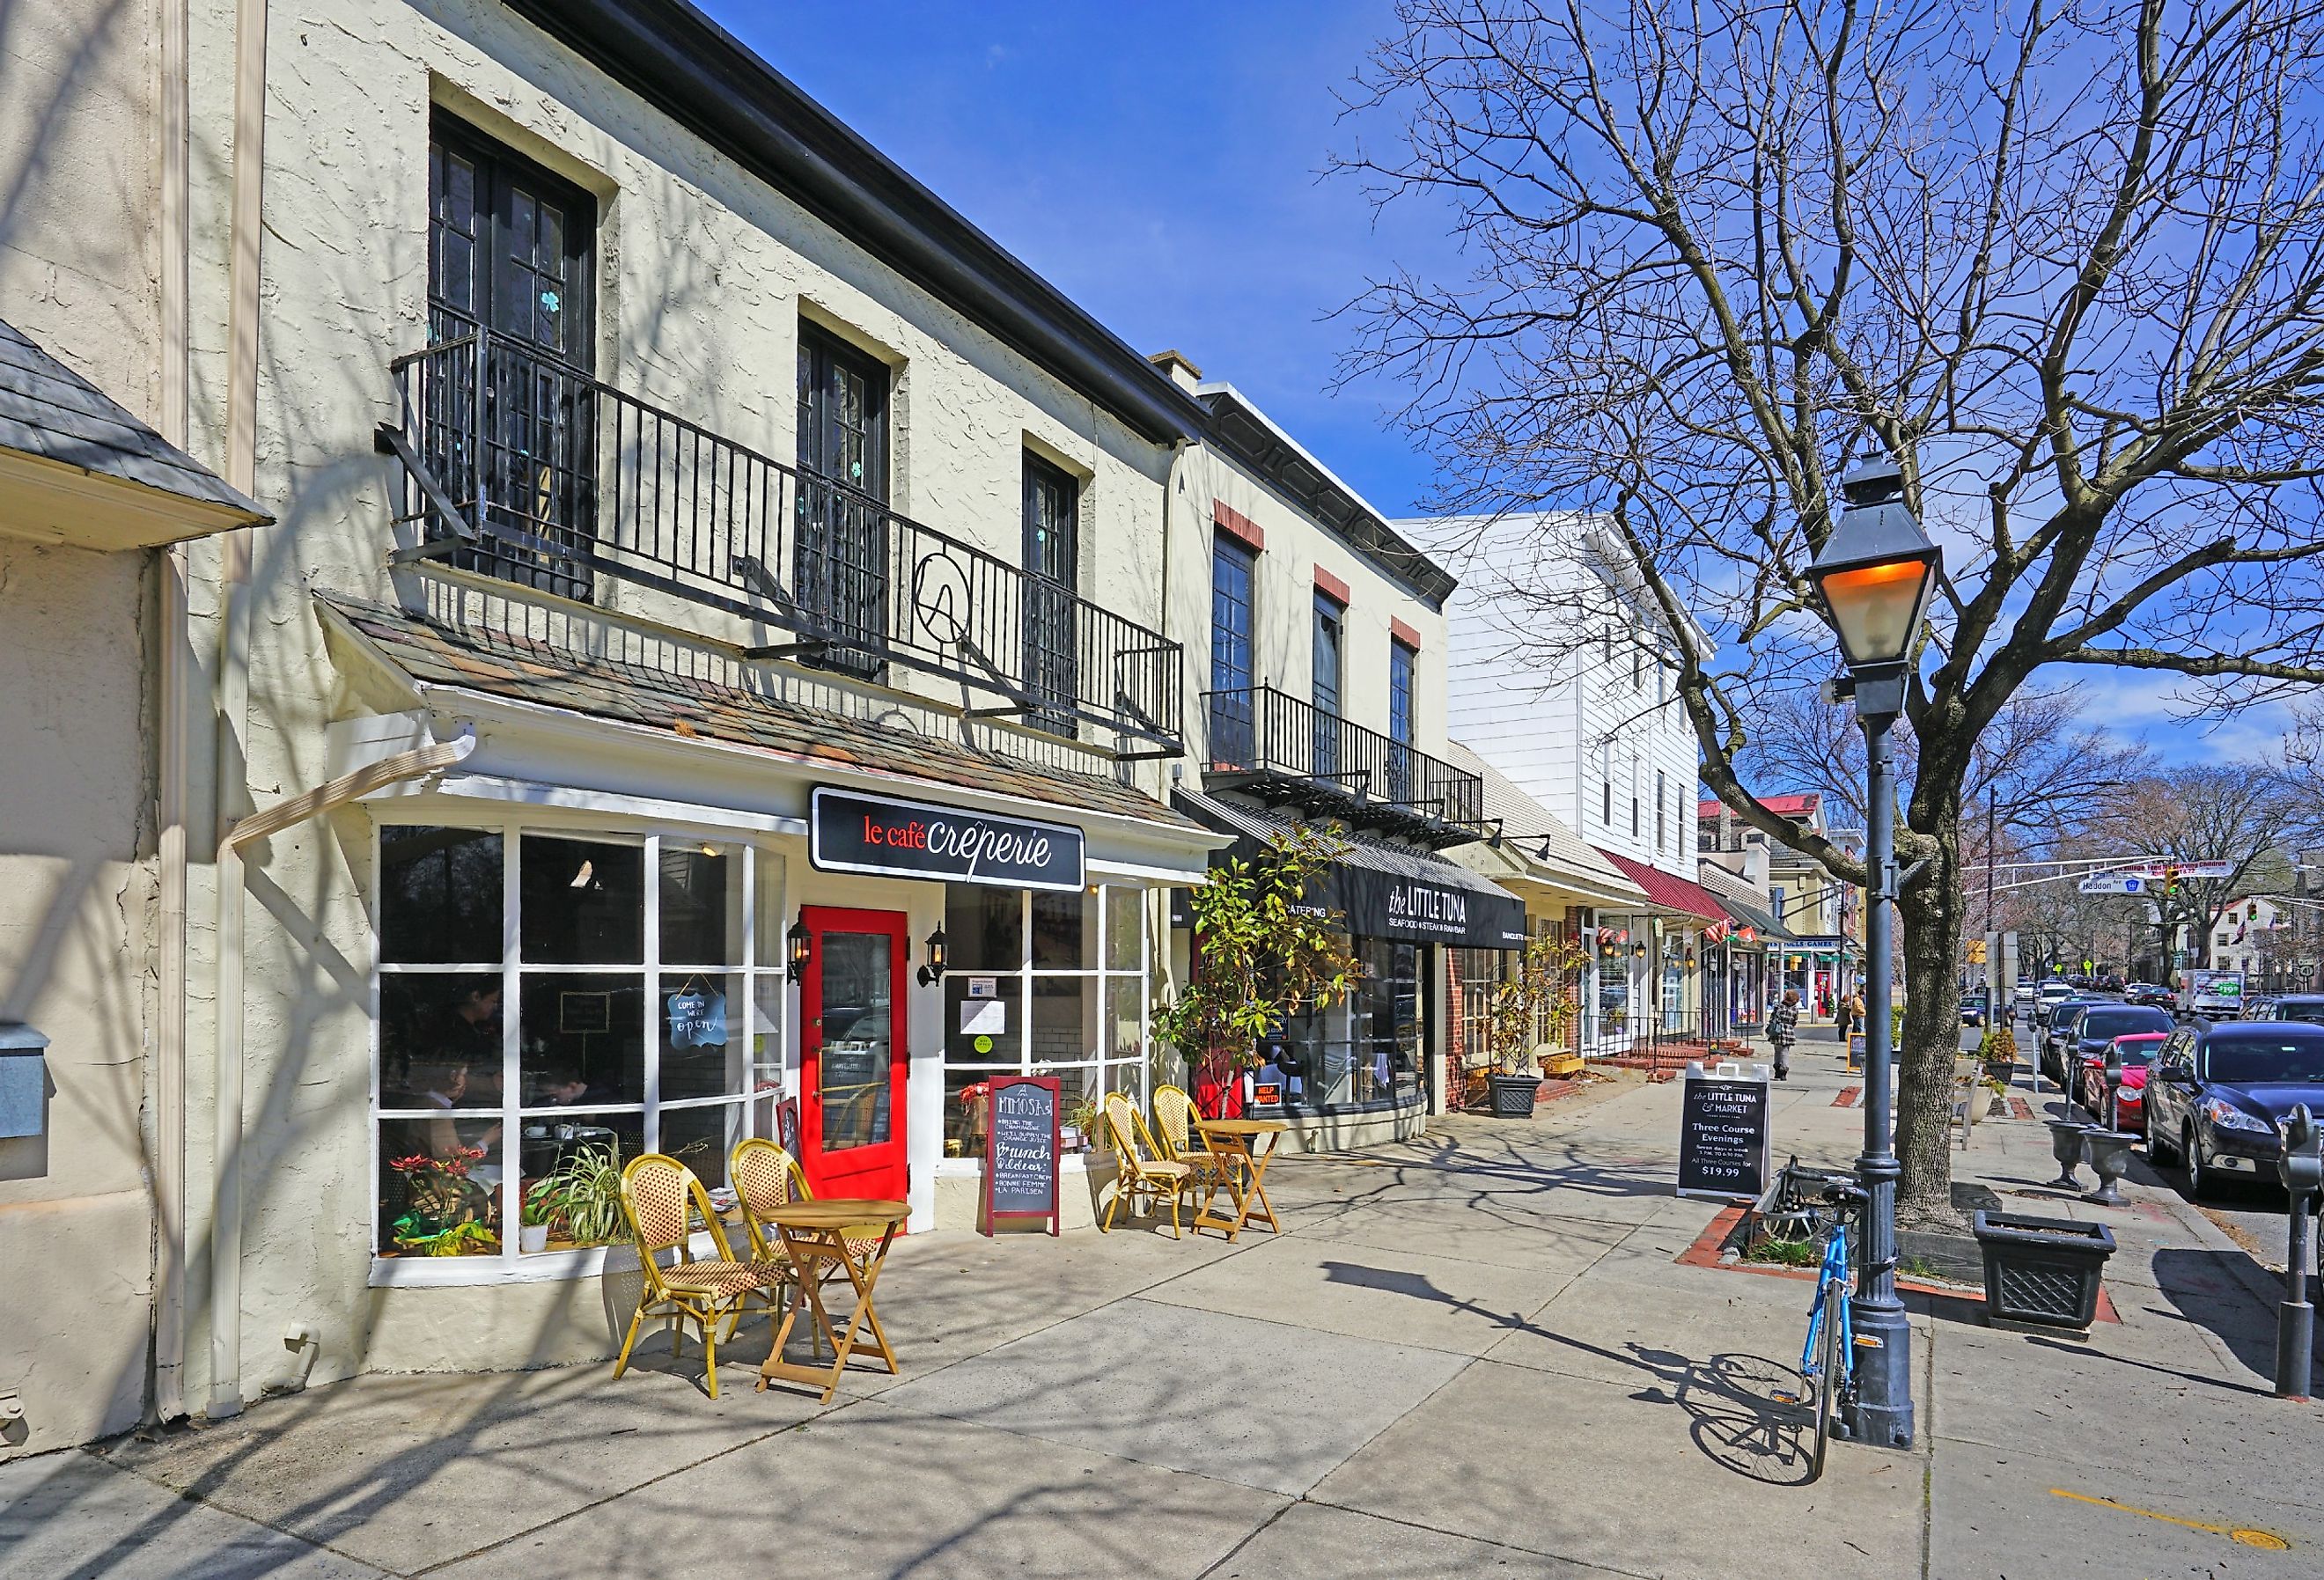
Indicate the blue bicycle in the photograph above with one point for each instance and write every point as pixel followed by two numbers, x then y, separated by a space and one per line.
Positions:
pixel 1827 1369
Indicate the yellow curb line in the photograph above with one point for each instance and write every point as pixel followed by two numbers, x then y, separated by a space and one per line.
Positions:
pixel 2264 1539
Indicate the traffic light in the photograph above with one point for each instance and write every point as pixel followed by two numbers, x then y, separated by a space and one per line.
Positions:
pixel 2171 877
pixel 1977 951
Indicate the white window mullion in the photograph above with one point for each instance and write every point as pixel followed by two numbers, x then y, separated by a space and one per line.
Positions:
pixel 511 1043
pixel 650 1033
pixel 749 978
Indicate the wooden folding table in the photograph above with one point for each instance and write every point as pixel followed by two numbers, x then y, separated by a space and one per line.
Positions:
pixel 813 1233
pixel 1234 1143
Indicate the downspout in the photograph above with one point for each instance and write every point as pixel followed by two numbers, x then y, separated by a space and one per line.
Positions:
pixel 167 1396
pixel 242 283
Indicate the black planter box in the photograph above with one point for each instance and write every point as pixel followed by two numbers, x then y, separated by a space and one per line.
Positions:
pixel 1513 1096
pixel 2042 1269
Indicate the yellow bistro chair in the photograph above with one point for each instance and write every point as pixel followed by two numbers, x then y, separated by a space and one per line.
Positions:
pixel 662 1197
pixel 1152 1176
pixel 1174 1138
pixel 766 1176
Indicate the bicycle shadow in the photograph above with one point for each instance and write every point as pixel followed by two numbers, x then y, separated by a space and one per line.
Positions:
pixel 1744 1412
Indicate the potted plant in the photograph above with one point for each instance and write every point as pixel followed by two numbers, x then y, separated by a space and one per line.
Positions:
pixel 586 1187
pixel 538 1212
pixel 444 1210
pixel 1084 1123
pixel 1263 951
pixel 1999 1053
pixel 1536 1005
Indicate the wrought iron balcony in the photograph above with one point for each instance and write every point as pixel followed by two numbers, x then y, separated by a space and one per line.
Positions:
pixel 1283 750
pixel 520 467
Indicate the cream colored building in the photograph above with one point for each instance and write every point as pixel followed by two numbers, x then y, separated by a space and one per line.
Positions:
pixel 729 657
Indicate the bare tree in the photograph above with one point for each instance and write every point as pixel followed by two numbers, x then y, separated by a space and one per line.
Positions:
pixel 2242 814
pixel 2061 261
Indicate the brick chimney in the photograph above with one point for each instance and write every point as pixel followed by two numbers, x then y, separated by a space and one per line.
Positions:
pixel 1182 372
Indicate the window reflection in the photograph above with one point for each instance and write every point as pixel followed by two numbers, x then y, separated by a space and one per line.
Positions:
pixel 582 1034
pixel 439 895
pixel 584 901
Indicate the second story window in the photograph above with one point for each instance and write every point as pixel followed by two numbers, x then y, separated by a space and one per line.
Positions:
pixel 1331 617
pixel 1662 814
pixel 842 494
pixel 1052 572
pixel 509 248
pixel 1235 573
pixel 1400 661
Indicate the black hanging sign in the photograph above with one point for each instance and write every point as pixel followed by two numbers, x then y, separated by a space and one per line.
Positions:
pixel 888 838
pixel 1020 1149
pixel 1723 1138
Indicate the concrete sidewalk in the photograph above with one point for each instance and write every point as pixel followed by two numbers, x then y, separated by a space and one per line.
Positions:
pixel 1480 1350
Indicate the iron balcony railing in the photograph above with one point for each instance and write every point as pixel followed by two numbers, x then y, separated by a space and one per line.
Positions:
pixel 519 466
pixel 1282 748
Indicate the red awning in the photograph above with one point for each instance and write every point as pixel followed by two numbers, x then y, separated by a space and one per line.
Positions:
pixel 1668 891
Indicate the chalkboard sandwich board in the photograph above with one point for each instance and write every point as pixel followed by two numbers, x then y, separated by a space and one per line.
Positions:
pixel 1723 1138
pixel 1021 1150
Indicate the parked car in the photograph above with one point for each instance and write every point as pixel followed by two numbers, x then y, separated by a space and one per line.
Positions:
pixel 2290 1006
pixel 2151 993
pixel 2056 1028
pixel 2048 997
pixel 2216 1093
pixel 2138 1051
pixel 2021 998
pixel 1972 1008
pixel 2101 1023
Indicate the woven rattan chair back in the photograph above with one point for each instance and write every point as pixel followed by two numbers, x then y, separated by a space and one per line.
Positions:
pixel 1174 1122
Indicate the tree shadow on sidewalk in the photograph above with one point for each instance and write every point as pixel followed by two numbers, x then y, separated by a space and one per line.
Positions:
pixel 1744 1412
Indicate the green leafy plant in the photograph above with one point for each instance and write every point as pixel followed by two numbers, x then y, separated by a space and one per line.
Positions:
pixel 540 1207
pixel 1263 951
pixel 1538 1005
pixel 583 1194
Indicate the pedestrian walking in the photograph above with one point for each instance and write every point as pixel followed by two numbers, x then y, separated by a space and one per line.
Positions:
pixel 1845 1016
pixel 1782 1029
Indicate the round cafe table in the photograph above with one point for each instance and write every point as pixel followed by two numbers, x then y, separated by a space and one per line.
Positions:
pixel 814 1232
pixel 1235 1143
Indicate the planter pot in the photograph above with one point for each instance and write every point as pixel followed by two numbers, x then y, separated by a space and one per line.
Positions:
pixel 1513 1096
pixel 1980 1102
pixel 2042 1269
pixel 1562 1064
pixel 532 1238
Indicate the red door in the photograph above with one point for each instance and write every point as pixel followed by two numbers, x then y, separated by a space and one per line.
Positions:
pixel 852 1059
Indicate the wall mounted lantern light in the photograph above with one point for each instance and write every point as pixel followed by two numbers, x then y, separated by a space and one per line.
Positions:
pixel 802 947
pixel 932 972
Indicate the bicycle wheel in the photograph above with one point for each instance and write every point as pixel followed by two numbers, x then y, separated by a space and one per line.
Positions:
pixel 1831 1358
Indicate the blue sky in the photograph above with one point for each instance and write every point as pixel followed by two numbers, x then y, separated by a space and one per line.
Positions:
pixel 1173 193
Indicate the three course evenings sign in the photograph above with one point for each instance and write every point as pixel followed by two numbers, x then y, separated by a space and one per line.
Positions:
pixel 888 838
pixel 1021 1150
pixel 1723 1137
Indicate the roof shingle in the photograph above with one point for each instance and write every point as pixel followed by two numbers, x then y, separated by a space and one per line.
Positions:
pixel 711 704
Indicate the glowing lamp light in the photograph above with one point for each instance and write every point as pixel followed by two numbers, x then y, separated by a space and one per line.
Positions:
pixel 1877 571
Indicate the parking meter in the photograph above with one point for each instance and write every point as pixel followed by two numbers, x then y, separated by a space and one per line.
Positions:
pixel 2300 1166
pixel 2113 1083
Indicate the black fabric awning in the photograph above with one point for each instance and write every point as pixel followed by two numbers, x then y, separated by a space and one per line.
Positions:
pixel 1383 890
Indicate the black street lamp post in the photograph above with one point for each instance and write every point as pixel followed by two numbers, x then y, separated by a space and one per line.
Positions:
pixel 1875 575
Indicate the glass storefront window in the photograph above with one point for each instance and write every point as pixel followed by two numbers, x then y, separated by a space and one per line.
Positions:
pixel 630 1018
pixel 1045 984
pixel 1363 1052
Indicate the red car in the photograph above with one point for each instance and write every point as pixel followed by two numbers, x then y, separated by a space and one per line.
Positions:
pixel 2137 1050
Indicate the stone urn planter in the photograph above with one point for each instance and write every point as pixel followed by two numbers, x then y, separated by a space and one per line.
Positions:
pixel 2044 1271
pixel 1980 1102
pixel 2066 1146
pixel 2108 1151
pixel 1513 1096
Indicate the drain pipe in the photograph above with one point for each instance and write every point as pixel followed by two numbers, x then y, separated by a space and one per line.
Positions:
pixel 167 1394
pixel 226 1264
pixel 243 283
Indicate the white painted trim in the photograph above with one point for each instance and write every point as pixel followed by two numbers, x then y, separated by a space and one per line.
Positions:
pixel 1139 874
pixel 449 1272
pixel 526 793
pixel 460 702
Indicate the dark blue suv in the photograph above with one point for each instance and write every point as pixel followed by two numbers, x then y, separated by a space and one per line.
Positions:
pixel 2217 1091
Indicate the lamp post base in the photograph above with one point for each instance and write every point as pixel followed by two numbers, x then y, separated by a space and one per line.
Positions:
pixel 1882 1415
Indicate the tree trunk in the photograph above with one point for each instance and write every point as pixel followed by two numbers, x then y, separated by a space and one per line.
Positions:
pixel 1930 923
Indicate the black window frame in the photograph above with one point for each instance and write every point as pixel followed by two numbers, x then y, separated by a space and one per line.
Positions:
pixel 1328 650
pixel 527 407
pixel 1051 504
pixel 1234 618
pixel 844 536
